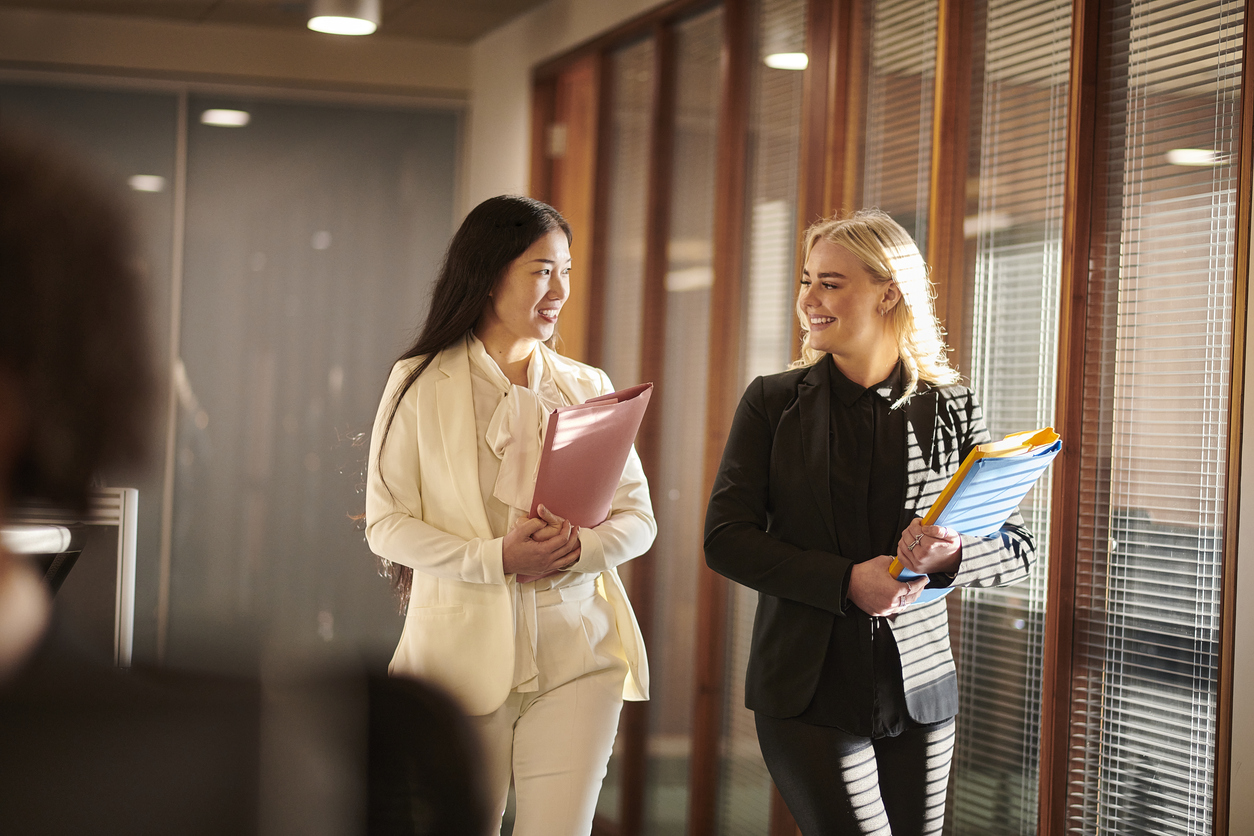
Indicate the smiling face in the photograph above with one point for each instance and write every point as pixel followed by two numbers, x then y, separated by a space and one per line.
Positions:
pixel 524 305
pixel 846 309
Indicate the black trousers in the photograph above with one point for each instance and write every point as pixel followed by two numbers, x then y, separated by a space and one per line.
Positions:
pixel 837 783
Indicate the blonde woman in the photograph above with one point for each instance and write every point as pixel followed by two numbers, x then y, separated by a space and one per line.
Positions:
pixel 825 474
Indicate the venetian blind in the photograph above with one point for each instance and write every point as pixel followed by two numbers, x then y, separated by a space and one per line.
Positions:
pixel 1157 376
pixel 900 40
pixel 631 92
pixel 1019 110
pixel 770 284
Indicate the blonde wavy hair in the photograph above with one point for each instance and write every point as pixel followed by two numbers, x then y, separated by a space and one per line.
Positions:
pixel 890 255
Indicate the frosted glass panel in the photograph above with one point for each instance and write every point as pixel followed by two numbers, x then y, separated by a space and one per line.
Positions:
pixel 313 235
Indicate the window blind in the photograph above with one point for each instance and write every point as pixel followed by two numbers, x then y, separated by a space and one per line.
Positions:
pixel 1157 377
pixel 1014 223
pixel 900 40
pixel 631 103
pixel 775 99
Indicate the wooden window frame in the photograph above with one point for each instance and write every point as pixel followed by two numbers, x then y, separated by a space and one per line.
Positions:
pixel 658 23
pixel 1078 196
pixel 1236 421
pixel 830 177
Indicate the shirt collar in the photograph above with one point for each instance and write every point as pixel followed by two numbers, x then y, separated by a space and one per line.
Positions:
pixel 849 392
pixel 537 369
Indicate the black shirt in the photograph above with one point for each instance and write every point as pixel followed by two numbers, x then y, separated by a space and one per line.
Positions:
pixel 868 484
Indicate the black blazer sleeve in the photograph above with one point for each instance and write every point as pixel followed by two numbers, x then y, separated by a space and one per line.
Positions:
pixel 749 510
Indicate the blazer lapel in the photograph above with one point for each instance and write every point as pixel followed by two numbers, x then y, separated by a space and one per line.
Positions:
pixel 920 445
pixel 456 407
pixel 814 404
pixel 576 384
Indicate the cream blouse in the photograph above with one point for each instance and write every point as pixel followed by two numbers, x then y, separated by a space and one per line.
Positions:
pixel 510 421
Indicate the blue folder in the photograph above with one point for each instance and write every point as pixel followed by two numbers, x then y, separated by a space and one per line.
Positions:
pixel 983 494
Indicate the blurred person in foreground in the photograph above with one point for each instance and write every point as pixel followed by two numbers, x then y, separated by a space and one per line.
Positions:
pixel 86 747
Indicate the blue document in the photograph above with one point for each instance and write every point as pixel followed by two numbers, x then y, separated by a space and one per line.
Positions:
pixel 983 494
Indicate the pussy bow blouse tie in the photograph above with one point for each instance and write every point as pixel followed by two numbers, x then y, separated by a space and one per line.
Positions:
pixel 516 435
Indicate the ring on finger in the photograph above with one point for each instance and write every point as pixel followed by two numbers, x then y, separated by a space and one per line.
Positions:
pixel 916 542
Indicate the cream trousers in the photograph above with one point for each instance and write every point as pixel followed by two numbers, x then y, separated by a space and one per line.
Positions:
pixel 555 742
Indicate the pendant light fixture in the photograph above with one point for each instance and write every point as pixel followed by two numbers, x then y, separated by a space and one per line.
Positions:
pixel 344 17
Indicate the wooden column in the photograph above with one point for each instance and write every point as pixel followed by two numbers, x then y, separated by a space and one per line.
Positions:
pixel 543 108
pixel 572 148
pixel 947 197
pixel 598 252
pixel 826 96
pixel 1078 202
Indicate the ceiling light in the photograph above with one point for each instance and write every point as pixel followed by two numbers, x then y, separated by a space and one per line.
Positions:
pixel 225 118
pixel 344 17
pixel 1195 156
pixel 146 183
pixel 787 61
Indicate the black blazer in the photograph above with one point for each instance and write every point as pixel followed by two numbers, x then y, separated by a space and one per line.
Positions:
pixel 770 525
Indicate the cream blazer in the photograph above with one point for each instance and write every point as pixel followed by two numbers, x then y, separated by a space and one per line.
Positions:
pixel 424 510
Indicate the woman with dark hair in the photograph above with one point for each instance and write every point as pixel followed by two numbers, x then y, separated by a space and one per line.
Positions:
pixel 524 620
pixel 826 472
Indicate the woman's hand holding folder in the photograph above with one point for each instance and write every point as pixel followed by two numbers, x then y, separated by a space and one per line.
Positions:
pixel 875 592
pixel 924 549
pixel 537 547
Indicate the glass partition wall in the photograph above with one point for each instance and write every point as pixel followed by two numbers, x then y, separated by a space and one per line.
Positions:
pixel 631 87
pixel 677 489
pixel 310 239
pixel 658 149
pixel 1158 352
pixel 778 29
pixel 900 45
pixel 1124 718
pixel 1013 231
pixel 313 235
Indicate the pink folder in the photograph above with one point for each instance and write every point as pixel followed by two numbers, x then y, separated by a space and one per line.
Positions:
pixel 585 449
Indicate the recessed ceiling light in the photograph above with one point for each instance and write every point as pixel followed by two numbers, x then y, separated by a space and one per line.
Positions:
pixel 344 17
pixel 147 183
pixel 225 118
pixel 333 25
pixel 787 61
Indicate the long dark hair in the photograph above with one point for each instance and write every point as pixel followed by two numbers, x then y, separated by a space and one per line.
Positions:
pixel 495 233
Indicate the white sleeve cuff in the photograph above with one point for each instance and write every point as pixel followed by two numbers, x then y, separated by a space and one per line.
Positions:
pixel 591 553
